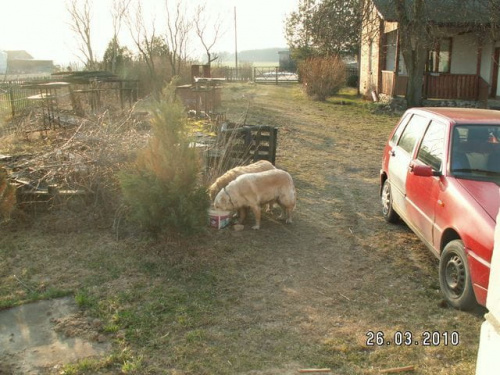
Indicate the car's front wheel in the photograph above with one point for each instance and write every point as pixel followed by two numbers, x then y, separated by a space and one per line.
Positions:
pixel 386 198
pixel 454 277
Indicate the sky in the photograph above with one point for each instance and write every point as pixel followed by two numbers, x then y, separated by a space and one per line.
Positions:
pixel 41 27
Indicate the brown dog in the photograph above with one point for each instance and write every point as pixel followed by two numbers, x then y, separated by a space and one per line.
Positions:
pixel 232 174
pixel 255 189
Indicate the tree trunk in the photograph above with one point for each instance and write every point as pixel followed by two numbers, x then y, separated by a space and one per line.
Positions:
pixel 415 41
pixel 415 63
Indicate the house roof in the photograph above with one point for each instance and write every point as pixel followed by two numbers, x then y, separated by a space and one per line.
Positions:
pixel 452 12
pixel 18 55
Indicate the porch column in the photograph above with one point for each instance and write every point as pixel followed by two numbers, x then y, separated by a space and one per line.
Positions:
pixel 380 54
pixel 396 64
pixel 479 54
pixel 480 40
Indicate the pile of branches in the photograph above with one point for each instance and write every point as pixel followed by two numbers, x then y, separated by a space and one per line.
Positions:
pixel 81 159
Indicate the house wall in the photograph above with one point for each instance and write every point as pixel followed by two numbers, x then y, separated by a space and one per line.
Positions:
pixel 486 71
pixel 463 54
pixel 369 55
pixel 29 66
pixel 490 60
pixel 486 62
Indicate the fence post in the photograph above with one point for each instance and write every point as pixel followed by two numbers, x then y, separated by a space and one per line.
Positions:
pixel 276 73
pixel 12 102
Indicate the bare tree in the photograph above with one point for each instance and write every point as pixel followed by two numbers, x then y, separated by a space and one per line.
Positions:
pixel 144 37
pixel 208 31
pixel 81 18
pixel 118 13
pixel 177 36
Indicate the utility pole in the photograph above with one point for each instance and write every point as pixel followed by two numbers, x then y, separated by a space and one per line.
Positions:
pixel 235 45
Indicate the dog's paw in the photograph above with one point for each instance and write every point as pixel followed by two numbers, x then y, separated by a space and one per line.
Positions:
pixel 256 227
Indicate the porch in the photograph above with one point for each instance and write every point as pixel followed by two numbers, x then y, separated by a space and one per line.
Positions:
pixel 439 86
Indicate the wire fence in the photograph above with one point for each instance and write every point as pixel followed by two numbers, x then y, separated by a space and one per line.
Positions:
pixel 274 75
pixel 24 96
pixel 15 99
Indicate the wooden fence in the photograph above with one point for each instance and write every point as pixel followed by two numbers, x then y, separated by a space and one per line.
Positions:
pixel 451 86
pixel 438 86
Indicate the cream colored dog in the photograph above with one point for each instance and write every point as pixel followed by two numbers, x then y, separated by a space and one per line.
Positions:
pixel 255 189
pixel 232 174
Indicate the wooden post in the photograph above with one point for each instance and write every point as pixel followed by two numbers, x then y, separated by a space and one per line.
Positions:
pixel 276 72
pixel 207 71
pixel 12 102
pixel 396 65
pixel 478 65
pixel 121 93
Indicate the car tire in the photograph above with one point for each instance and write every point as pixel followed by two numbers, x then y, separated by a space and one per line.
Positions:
pixel 454 277
pixel 386 198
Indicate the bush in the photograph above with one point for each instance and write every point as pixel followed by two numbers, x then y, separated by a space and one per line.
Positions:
pixel 322 76
pixel 353 81
pixel 7 196
pixel 162 188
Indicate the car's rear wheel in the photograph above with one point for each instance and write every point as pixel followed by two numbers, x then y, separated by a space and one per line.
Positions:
pixel 387 210
pixel 454 277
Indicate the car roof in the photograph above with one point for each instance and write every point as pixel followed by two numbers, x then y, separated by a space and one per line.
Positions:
pixel 461 115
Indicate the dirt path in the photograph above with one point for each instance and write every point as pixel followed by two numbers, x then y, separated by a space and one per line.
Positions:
pixel 340 270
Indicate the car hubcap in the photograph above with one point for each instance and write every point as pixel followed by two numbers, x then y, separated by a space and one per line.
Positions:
pixel 455 275
pixel 386 199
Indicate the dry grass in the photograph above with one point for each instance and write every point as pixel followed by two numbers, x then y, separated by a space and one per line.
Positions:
pixel 258 302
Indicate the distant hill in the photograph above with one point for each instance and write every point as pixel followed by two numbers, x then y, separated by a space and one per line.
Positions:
pixel 254 55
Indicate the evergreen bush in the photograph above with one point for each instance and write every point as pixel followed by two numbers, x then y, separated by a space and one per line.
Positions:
pixel 162 188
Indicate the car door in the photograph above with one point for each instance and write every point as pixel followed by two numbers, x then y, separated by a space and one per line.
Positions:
pixel 422 192
pixel 399 161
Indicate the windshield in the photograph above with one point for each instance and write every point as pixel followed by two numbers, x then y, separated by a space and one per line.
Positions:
pixel 475 152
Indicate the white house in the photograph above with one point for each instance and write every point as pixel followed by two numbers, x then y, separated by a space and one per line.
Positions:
pixel 463 63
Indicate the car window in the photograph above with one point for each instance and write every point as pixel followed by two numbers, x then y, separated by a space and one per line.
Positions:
pixel 475 152
pixel 432 146
pixel 412 133
pixel 400 128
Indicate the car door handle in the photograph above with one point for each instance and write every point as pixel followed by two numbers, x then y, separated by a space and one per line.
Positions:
pixel 392 153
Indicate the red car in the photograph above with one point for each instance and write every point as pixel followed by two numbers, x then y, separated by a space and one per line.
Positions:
pixel 441 174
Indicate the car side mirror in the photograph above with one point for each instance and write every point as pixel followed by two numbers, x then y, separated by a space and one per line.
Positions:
pixel 423 170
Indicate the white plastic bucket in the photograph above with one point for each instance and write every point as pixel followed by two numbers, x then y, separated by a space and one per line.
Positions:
pixel 218 219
